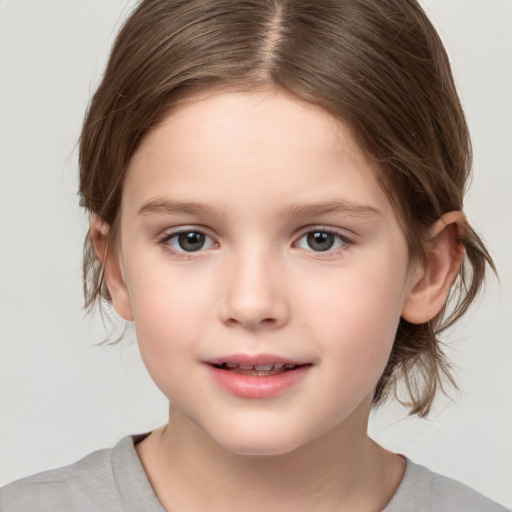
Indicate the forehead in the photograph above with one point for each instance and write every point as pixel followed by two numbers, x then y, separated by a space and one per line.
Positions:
pixel 223 144
pixel 268 116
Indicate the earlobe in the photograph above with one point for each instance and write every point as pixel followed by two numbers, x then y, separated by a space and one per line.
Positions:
pixel 433 277
pixel 112 270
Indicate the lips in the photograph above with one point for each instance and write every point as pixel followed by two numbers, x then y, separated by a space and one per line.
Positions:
pixel 262 376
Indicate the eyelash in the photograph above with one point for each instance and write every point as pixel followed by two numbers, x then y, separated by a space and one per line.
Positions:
pixel 165 240
pixel 344 243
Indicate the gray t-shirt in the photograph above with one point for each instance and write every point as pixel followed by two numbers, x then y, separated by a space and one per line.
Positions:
pixel 114 480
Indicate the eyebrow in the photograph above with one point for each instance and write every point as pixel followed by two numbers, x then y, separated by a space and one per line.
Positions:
pixel 161 206
pixel 324 208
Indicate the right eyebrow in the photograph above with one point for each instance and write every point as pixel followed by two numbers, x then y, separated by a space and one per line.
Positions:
pixel 161 206
pixel 323 208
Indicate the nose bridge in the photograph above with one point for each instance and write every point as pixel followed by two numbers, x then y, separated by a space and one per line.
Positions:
pixel 254 295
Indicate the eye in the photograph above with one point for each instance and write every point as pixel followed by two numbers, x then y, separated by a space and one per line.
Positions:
pixel 188 241
pixel 321 240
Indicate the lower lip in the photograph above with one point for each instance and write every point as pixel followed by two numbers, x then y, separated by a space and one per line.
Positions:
pixel 257 386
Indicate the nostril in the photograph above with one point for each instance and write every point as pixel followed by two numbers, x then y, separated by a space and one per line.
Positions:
pixel 253 323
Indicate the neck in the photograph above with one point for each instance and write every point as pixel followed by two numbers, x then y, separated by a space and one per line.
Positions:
pixel 341 470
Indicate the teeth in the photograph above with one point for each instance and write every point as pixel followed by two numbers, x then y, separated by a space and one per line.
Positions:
pixel 259 367
pixel 263 367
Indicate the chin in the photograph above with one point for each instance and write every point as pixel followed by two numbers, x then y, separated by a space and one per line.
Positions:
pixel 263 444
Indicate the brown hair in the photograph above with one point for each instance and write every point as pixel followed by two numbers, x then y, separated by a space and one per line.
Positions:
pixel 379 66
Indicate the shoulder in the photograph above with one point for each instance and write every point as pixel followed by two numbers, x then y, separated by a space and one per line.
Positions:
pixel 423 490
pixel 73 487
pixel 104 480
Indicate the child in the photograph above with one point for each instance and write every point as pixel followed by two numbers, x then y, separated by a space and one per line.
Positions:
pixel 275 190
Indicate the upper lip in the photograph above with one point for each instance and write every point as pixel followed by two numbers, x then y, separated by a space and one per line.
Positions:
pixel 253 360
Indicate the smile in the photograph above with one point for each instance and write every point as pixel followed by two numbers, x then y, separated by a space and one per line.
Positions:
pixel 261 377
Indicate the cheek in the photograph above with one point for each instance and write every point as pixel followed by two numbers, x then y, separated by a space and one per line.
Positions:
pixel 167 300
pixel 169 316
pixel 359 318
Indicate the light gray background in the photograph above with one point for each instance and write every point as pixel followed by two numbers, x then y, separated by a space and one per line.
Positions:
pixel 62 396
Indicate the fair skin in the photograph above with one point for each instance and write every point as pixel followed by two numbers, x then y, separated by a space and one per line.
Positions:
pixel 253 231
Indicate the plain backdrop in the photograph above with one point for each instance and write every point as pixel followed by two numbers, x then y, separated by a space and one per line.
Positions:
pixel 62 395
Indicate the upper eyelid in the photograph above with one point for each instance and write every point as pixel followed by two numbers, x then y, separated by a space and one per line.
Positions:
pixel 173 231
pixel 195 228
pixel 341 232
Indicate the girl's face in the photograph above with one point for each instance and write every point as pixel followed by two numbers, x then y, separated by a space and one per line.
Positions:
pixel 265 270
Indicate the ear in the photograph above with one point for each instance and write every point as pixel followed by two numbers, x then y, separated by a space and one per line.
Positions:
pixel 113 273
pixel 432 279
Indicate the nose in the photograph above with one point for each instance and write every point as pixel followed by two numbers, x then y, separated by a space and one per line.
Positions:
pixel 254 293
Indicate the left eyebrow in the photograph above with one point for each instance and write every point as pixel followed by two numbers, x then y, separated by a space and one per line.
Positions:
pixel 316 209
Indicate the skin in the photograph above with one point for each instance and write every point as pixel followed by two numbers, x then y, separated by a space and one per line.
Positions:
pixel 260 168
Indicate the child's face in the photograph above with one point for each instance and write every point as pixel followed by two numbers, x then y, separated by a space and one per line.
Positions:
pixel 254 231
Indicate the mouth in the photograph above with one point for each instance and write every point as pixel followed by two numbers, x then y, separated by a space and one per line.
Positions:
pixel 260 370
pixel 260 376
